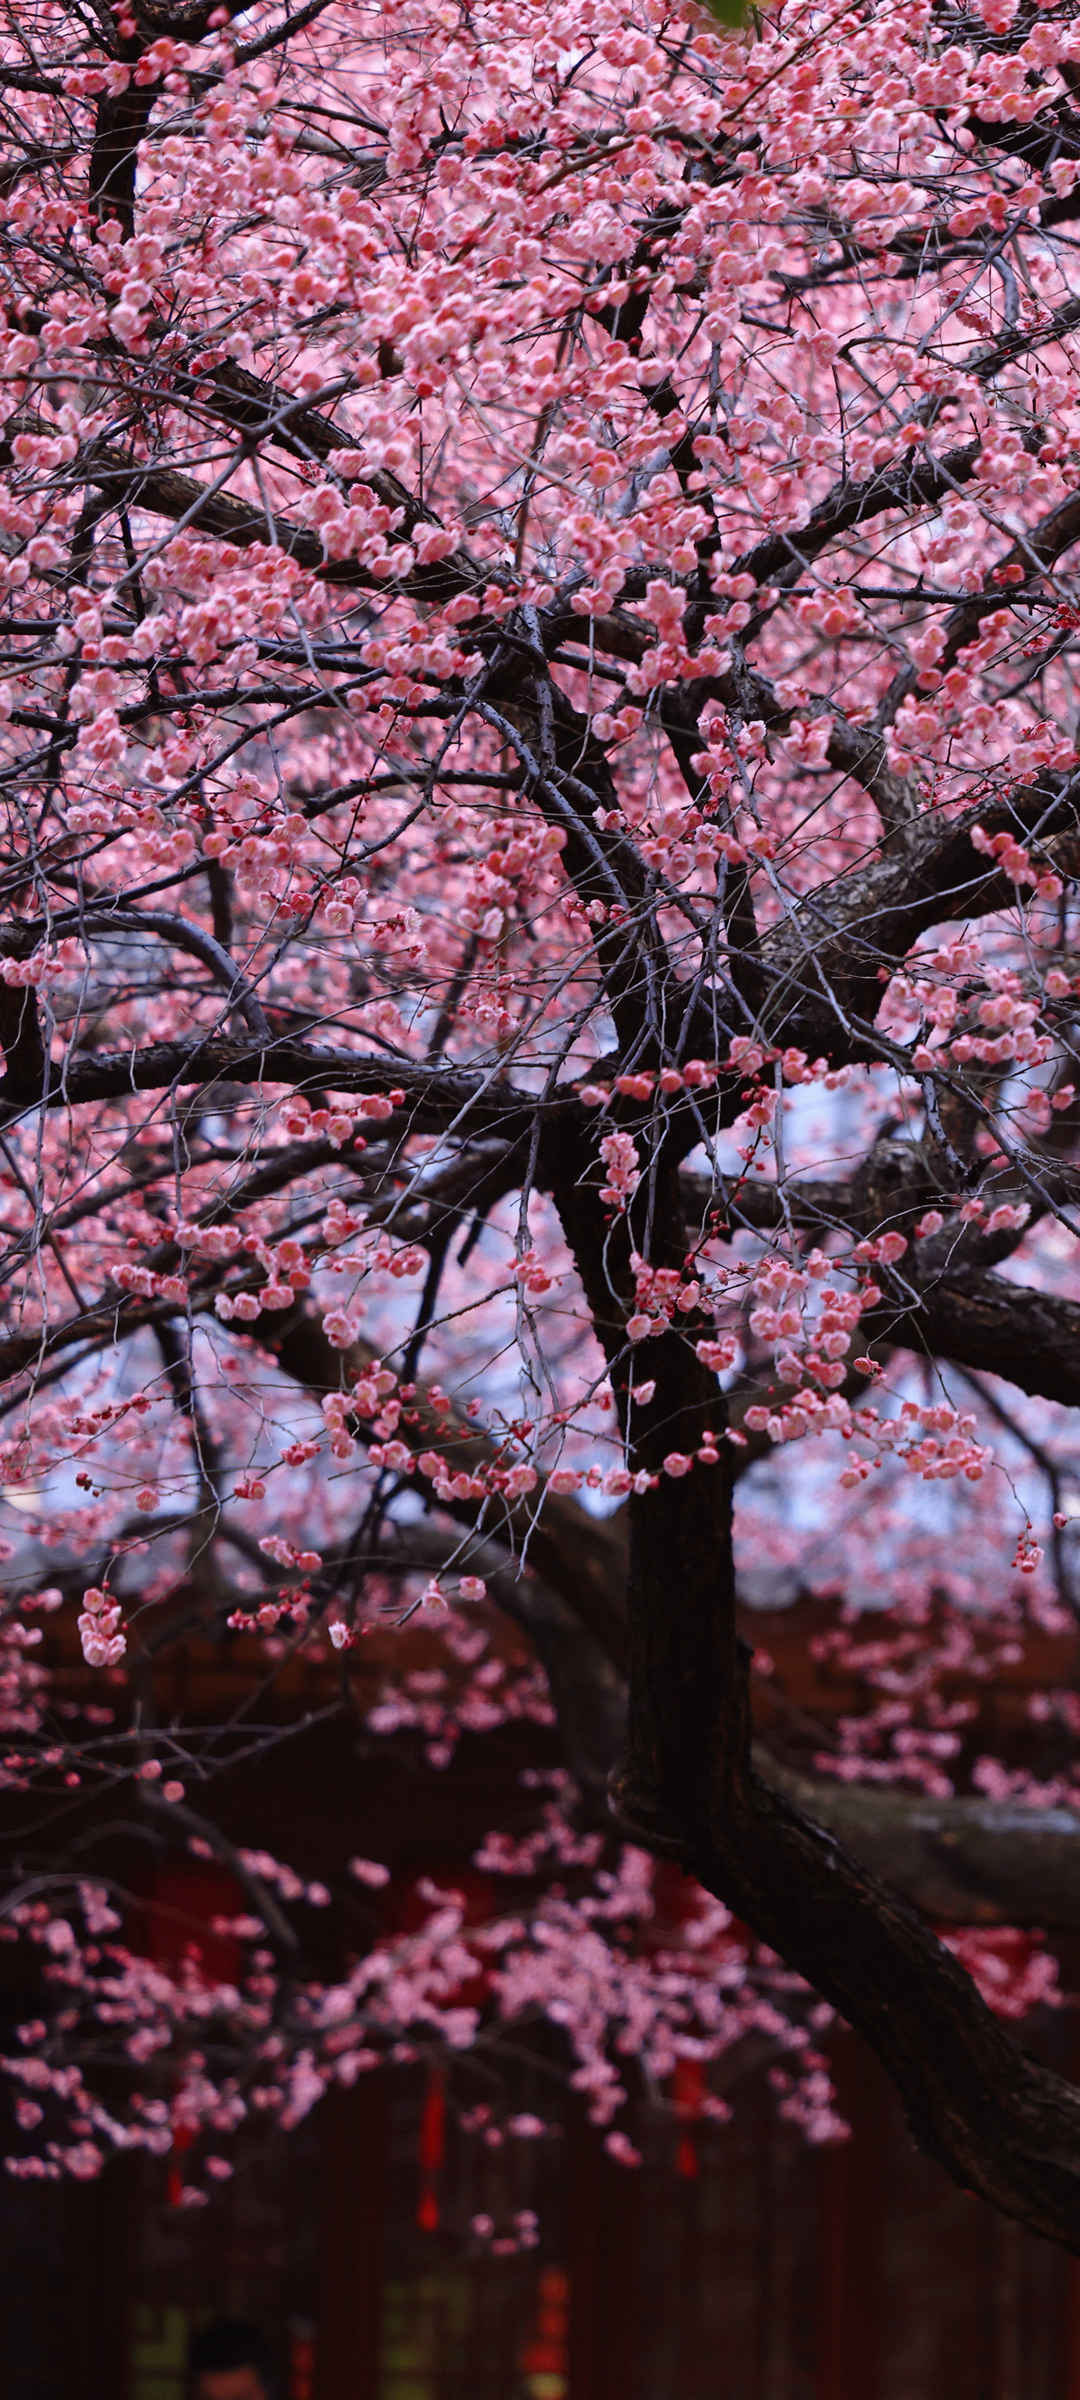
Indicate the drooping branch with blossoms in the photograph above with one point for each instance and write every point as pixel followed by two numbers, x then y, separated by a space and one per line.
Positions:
pixel 538 981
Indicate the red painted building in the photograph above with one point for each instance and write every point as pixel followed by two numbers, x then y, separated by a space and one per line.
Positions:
pixel 760 2271
pixel 735 2264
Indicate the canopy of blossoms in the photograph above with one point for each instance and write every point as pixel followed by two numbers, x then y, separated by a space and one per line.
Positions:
pixel 538 739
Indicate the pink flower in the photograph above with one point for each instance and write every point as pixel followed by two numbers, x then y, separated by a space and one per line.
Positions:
pixel 619 2146
pixel 370 1871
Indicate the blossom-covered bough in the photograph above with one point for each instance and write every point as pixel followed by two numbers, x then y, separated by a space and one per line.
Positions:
pixel 539 974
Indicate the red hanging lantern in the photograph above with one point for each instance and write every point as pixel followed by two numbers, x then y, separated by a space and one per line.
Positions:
pixel 687 2092
pixel 186 1901
pixel 183 2137
pixel 301 2363
pixel 431 2152
pixel 544 2354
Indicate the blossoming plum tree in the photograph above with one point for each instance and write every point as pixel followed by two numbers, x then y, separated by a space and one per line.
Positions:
pixel 539 979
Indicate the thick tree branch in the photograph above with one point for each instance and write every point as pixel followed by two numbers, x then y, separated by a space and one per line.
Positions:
pixel 435 1099
pixel 578 1555
pixel 961 1861
pixel 825 961
pixel 999 2124
pixel 978 1320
